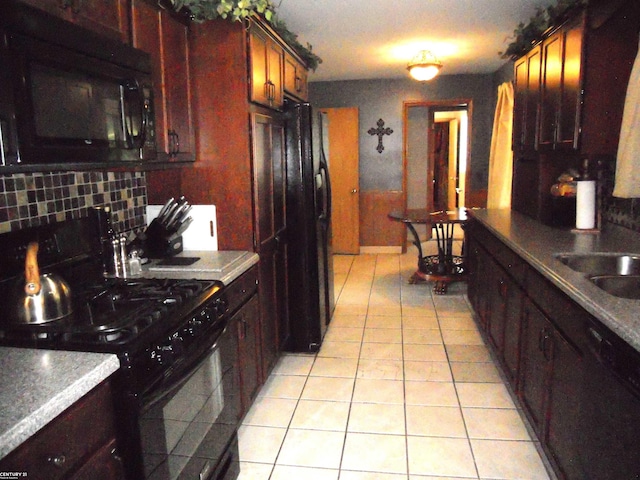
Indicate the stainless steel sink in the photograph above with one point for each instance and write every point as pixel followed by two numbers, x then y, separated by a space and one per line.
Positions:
pixel 624 286
pixel 602 263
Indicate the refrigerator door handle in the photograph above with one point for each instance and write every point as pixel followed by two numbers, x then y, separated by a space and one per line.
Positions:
pixel 326 215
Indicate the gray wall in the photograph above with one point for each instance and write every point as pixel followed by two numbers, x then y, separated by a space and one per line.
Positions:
pixel 384 99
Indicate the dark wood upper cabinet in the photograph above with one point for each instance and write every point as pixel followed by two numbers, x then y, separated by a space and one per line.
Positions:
pixel 561 87
pixel 295 78
pixel 106 17
pixel 569 99
pixel 165 37
pixel 266 63
pixel 526 101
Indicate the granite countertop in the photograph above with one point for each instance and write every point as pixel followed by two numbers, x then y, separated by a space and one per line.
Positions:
pixel 538 245
pixel 223 265
pixel 38 385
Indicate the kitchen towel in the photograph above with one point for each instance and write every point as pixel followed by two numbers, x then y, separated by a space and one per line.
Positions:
pixel 586 204
pixel 627 181
pixel 501 154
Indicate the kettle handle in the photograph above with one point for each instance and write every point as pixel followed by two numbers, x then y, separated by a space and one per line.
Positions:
pixel 32 284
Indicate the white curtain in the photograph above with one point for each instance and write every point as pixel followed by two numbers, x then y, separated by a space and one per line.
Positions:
pixel 501 155
pixel 627 183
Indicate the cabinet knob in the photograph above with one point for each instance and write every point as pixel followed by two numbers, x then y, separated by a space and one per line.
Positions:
pixel 58 460
pixel 355 190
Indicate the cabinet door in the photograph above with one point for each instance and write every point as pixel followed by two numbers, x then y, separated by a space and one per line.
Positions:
pixel 165 38
pixel 569 121
pixel 497 292
pixel 536 364
pixel 564 407
pixel 561 88
pixel 105 464
pixel 275 66
pixel 269 182
pixel 259 72
pixel 519 103
pixel 526 101
pixel 106 17
pixel 512 330
pixel 295 78
pixel 177 88
pixel 481 287
pixel 266 66
pixel 551 90
pixel 247 323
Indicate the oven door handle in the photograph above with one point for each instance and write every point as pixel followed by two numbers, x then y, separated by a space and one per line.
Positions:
pixel 168 384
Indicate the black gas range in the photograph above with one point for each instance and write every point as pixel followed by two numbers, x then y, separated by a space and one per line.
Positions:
pixel 176 392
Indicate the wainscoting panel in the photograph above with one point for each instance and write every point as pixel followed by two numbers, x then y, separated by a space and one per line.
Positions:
pixel 376 230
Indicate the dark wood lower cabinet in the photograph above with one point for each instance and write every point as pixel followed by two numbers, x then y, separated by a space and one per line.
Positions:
pixel 247 322
pixel 577 382
pixel 78 444
pixel 537 351
pixel 565 420
pixel 511 357
pixel 550 388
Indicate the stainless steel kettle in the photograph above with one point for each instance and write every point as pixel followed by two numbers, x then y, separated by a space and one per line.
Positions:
pixel 40 298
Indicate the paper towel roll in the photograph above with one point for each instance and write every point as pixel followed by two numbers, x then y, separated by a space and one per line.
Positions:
pixel 586 204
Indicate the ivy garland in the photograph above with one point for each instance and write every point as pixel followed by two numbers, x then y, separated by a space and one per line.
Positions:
pixel 236 10
pixel 525 36
pixel 239 10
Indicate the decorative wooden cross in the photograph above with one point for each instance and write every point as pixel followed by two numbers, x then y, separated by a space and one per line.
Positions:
pixel 380 132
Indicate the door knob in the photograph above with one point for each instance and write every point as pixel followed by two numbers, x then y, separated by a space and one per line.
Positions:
pixel 355 190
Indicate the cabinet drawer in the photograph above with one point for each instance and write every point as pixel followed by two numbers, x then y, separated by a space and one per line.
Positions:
pixel 62 445
pixel 568 317
pixel 242 288
pixel 506 258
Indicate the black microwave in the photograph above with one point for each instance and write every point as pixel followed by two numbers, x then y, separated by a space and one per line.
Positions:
pixel 70 97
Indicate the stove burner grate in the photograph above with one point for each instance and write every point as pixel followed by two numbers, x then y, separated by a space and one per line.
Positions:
pixel 114 311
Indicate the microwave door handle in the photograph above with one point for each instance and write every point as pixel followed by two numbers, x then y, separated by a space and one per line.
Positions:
pixel 126 89
pixel 144 117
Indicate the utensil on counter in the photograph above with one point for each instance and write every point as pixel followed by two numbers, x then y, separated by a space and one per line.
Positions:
pixel 163 235
pixel 40 298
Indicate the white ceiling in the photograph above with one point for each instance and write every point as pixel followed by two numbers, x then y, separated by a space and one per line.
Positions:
pixel 365 39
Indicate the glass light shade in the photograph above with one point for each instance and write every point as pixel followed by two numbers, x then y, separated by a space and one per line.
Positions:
pixel 424 66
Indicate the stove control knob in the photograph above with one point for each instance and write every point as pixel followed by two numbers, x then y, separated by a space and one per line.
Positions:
pixel 163 354
pixel 209 314
pixel 190 330
pixel 220 306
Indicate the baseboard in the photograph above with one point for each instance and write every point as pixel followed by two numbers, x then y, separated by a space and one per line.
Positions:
pixel 381 250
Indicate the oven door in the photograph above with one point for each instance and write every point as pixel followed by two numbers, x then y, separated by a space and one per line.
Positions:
pixel 188 425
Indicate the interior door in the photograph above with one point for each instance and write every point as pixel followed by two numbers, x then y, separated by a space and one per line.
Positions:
pixel 342 149
pixel 441 159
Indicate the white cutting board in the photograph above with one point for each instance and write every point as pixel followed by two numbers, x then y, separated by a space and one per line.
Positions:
pixel 202 234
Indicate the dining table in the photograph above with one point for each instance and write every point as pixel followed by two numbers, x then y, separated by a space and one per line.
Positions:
pixel 445 267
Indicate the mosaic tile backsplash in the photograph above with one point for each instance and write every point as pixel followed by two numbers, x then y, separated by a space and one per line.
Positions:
pixel 620 211
pixel 32 199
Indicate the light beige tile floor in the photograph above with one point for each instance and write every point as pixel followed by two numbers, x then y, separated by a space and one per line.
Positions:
pixel 403 388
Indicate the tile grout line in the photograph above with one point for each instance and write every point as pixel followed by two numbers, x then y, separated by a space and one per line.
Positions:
pixel 455 387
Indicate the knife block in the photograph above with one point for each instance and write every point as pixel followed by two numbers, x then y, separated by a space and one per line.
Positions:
pixel 160 243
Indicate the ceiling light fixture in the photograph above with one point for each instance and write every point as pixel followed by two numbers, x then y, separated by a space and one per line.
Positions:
pixel 424 66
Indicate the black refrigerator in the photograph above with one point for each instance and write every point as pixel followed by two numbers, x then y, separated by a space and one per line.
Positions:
pixel 308 207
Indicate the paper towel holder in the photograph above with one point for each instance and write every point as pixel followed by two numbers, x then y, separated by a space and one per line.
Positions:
pixel 596 202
